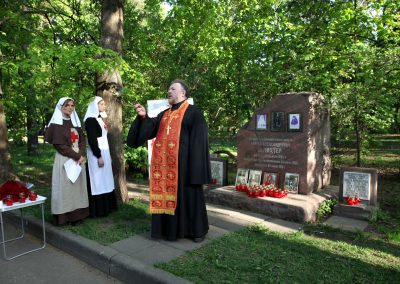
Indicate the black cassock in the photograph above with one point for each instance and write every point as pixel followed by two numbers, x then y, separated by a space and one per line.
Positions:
pixel 190 219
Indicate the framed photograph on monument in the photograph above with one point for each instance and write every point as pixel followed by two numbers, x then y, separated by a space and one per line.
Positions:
pixel 270 179
pixel 278 121
pixel 294 122
pixel 242 176
pixel 262 122
pixel 219 171
pixel 291 182
pixel 254 177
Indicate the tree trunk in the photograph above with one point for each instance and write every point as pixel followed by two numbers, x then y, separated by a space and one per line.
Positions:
pixel 109 87
pixel 358 138
pixel 6 170
pixel 32 130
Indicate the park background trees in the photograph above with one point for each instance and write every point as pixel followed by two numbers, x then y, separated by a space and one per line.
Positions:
pixel 235 55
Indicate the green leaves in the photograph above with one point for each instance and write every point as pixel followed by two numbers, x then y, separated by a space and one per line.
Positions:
pixel 235 55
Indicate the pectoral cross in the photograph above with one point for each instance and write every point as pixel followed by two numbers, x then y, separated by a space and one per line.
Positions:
pixel 171 117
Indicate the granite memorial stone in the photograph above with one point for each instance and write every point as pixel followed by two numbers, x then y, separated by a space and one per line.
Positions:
pixel 290 134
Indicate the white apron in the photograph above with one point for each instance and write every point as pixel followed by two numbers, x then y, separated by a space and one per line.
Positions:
pixel 101 179
pixel 65 195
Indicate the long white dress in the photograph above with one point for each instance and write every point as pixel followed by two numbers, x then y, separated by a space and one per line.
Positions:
pixel 101 178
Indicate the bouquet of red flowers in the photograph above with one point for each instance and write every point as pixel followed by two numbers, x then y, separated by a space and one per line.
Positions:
pixel 352 200
pixel 14 189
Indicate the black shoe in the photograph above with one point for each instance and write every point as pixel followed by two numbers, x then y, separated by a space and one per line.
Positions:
pixel 199 240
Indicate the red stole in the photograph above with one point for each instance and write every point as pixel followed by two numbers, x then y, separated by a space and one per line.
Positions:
pixel 164 162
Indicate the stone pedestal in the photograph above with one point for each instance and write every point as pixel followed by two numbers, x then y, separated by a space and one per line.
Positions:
pixel 360 212
pixel 289 135
pixel 362 183
pixel 294 207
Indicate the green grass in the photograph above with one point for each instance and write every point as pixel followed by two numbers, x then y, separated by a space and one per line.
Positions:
pixel 387 162
pixel 257 255
pixel 384 154
pixel 130 218
pixel 318 254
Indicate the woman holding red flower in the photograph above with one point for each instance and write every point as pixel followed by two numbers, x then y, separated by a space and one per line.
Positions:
pixel 69 200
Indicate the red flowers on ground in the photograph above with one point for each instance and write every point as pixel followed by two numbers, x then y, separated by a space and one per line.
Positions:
pixel 352 200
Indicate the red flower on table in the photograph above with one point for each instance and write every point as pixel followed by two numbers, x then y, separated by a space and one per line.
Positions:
pixel 13 188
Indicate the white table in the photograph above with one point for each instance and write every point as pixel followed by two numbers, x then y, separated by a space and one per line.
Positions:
pixel 17 205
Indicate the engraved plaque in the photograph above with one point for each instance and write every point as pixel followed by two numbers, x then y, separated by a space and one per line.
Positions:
pixel 357 184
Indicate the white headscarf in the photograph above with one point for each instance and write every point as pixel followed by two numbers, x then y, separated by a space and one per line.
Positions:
pixel 93 109
pixel 57 117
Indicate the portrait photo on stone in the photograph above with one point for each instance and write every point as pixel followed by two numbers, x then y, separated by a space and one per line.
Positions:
pixel 242 176
pixel 270 179
pixel 254 177
pixel 291 183
pixel 262 122
pixel 278 121
pixel 294 122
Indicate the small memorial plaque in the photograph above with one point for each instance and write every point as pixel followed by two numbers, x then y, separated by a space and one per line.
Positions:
pixel 261 122
pixel 254 177
pixel 242 176
pixel 219 171
pixel 360 183
pixel 278 121
pixel 357 184
pixel 294 122
pixel 291 182
pixel 270 179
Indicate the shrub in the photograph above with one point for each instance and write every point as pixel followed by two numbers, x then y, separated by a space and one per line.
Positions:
pixel 326 208
pixel 136 161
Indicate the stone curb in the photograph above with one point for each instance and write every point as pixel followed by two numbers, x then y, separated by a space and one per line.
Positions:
pixel 103 258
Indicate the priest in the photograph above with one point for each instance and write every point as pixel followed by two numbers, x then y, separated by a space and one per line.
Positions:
pixel 180 165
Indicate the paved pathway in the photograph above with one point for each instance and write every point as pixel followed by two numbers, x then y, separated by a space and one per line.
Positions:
pixel 49 265
pixel 130 260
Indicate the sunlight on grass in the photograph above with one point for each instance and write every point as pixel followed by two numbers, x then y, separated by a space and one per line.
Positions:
pixel 262 256
pixel 255 255
pixel 394 236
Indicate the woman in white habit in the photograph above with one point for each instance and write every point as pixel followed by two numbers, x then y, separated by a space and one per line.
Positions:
pixel 100 176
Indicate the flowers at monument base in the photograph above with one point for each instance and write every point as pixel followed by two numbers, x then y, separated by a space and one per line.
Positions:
pixel 13 191
pixel 260 190
pixel 254 191
pixel 273 191
pixel 241 187
pixel 352 200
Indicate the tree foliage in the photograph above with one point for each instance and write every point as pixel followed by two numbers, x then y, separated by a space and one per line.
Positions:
pixel 235 55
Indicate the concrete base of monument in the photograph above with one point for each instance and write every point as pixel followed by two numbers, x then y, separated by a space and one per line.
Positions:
pixel 294 207
pixel 360 212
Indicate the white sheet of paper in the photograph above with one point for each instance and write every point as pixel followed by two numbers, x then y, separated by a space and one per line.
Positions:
pixel 73 169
